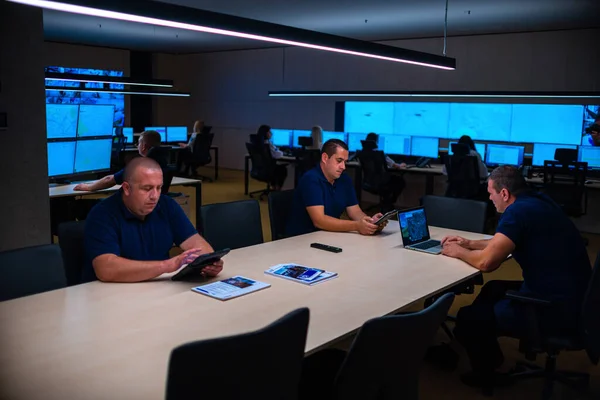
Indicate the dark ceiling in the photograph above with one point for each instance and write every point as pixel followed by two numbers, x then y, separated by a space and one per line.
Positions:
pixel 367 19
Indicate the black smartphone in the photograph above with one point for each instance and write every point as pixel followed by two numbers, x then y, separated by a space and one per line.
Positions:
pixel 385 217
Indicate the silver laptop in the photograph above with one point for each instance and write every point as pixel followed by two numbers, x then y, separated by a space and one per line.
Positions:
pixel 415 232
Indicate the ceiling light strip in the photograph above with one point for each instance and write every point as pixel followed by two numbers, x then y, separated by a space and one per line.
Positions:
pixel 77 9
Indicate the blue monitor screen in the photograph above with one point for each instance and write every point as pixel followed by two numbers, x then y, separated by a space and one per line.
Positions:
pixel 60 158
pixel 176 134
pixel 365 116
pixel 281 137
pixel 95 120
pixel 547 123
pixel 354 143
pixel 127 132
pixel 394 144
pixel 298 134
pixel 61 120
pixel 479 147
pixel 162 131
pixel 422 119
pixel 92 155
pixel 424 147
pixel 591 155
pixel 327 135
pixel 544 151
pixel 498 154
pixel 480 121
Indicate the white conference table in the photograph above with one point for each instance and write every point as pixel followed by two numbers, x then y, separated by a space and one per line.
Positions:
pixel 56 191
pixel 109 341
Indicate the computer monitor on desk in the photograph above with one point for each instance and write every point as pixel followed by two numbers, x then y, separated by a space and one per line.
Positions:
pixel 394 144
pixel 479 148
pixel 545 151
pixel 591 155
pixel 499 154
pixel 424 147
pixel 298 134
pixel 354 141
pixel 177 134
pixel 281 137
pixel 328 135
pixel 92 155
pixel 127 132
pixel 61 156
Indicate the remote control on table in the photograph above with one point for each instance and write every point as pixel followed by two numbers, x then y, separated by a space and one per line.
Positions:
pixel 325 247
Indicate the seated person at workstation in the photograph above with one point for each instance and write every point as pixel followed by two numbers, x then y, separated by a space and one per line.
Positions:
pixel 324 193
pixel 483 170
pixel 263 136
pixel 148 144
pixel 391 164
pixel 555 264
pixel 128 236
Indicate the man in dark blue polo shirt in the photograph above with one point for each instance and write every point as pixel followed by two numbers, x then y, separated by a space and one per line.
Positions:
pixel 324 193
pixel 555 264
pixel 148 146
pixel 128 236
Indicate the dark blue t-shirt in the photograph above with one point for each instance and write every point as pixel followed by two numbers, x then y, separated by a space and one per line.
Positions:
pixel 548 247
pixel 111 228
pixel 315 190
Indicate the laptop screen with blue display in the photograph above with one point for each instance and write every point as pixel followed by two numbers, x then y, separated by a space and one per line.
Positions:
pixel 413 226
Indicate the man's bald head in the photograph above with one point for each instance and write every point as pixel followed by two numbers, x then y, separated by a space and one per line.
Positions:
pixel 138 164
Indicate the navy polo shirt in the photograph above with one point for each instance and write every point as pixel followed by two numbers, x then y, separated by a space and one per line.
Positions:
pixel 315 190
pixel 111 228
pixel 549 249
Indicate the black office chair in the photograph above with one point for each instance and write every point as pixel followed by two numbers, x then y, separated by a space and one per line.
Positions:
pixel 378 181
pixel 280 207
pixel 263 167
pixel 564 182
pixel 454 213
pixel 383 362
pixel 264 364
pixel 31 270
pixel 200 155
pixel 586 337
pixel 305 161
pixel 232 225
pixel 463 177
pixel 71 242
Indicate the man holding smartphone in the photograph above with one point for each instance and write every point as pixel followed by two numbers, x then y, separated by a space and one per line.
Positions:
pixel 324 193
pixel 128 236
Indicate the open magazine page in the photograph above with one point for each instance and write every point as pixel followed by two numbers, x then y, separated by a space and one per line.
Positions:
pixel 300 273
pixel 230 287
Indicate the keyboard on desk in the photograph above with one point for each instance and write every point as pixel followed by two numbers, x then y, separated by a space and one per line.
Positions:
pixel 427 245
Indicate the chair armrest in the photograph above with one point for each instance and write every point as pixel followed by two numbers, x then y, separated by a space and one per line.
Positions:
pixel 527 298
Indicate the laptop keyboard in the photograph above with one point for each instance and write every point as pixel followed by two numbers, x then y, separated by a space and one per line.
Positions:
pixel 427 245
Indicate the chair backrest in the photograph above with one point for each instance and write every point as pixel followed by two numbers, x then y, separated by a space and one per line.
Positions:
pixel 368 145
pixel 31 270
pixel 263 364
pixel 232 225
pixel 262 162
pixel 590 313
pixel 463 176
pixel 306 160
pixel 201 150
pixel 71 242
pixel 280 207
pixel 373 165
pixel 564 182
pixel 386 355
pixel 168 175
pixel 455 213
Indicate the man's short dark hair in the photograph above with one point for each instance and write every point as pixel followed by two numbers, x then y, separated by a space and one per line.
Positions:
pixel 330 146
pixel 152 138
pixel 509 178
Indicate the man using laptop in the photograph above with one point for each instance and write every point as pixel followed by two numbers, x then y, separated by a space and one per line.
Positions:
pixel 324 193
pixel 555 264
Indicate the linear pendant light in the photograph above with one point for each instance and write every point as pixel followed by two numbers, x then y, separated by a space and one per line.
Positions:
pixel 119 80
pixel 116 91
pixel 491 95
pixel 174 16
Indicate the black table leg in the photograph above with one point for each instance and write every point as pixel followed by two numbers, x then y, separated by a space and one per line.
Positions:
pixel 246 173
pixel 216 149
pixel 198 188
pixel 429 184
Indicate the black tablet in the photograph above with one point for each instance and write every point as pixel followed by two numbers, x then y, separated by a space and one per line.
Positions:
pixel 193 269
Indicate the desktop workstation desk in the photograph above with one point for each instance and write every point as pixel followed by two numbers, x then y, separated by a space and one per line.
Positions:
pixel 67 191
pixel 113 341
